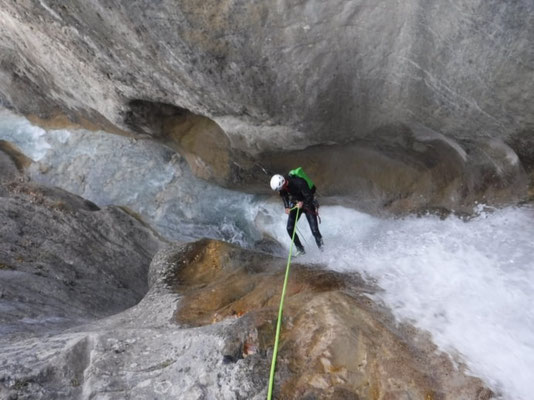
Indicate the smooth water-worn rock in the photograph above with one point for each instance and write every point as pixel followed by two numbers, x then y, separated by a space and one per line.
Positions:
pixel 335 343
pixel 140 353
pixel 64 260
pixel 274 75
pixel 406 169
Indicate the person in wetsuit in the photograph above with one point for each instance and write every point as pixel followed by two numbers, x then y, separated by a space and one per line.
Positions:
pixel 295 191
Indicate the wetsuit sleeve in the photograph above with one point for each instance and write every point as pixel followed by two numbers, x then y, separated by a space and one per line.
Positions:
pixel 285 198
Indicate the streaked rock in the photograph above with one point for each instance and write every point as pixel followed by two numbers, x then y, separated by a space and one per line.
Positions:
pixel 65 260
pixel 274 75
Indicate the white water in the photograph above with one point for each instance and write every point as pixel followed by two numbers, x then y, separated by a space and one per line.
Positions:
pixel 30 139
pixel 140 174
pixel 471 284
pixel 468 283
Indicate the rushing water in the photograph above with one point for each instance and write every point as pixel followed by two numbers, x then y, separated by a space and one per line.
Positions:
pixel 471 284
pixel 140 174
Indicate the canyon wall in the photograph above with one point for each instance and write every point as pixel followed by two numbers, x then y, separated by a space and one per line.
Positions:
pixel 229 82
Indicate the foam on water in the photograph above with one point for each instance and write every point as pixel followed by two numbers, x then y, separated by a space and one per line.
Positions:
pixel 28 138
pixel 468 283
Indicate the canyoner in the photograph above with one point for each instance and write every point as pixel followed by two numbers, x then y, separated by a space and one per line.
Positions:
pixel 297 191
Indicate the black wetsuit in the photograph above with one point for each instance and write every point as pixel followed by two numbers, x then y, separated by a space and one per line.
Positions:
pixel 297 190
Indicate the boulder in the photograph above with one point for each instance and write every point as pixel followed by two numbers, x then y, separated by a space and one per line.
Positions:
pixel 64 261
pixel 335 343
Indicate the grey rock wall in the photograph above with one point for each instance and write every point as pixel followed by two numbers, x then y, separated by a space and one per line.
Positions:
pixel 63 260
pixel 277 74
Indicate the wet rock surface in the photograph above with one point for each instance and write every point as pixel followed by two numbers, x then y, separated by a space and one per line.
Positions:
pixel 336 342
pixel 63 259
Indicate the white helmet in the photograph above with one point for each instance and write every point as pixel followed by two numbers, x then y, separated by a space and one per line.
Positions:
pixel 277 182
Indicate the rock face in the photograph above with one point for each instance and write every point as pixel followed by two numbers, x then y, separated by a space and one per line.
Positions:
pixel 274 75
pixel 205 330
pixel 228 84
pixel 409 105
pixel 62 259
pixel 217 342
pixel 409 169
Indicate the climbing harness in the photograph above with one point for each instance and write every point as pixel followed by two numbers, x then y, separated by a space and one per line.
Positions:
pixel 280 310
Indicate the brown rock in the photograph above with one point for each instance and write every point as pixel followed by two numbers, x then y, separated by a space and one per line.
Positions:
pixel 335 343
pixel 15 155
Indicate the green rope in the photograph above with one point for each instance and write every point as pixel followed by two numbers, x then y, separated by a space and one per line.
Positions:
pixel 279 322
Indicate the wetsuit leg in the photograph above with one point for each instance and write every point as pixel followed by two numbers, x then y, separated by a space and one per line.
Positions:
pixel 311 216
pixel 291 225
